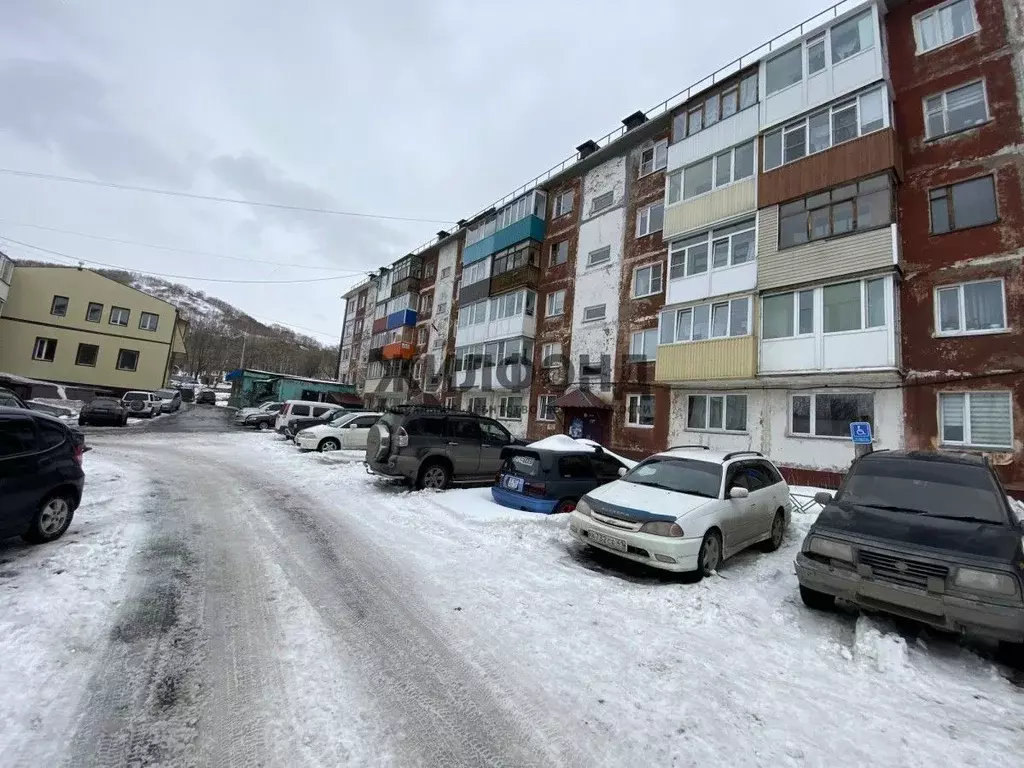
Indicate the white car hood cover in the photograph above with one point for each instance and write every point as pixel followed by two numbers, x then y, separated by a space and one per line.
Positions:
pixel 633 501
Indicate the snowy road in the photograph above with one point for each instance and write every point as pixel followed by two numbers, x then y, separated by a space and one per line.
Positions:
pixel 221 599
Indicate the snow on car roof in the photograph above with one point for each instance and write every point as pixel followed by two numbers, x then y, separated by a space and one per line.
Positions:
pixel 566 444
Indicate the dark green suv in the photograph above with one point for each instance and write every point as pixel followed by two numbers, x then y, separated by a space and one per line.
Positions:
pixel 435 447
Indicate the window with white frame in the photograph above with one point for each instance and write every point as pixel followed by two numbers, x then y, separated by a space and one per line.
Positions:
pixel 562 204
pixel 438 343
pixel 650 219
pixel 148 321
pixel 943 24
pixel 602 201
pixel 346 354
pixel 647 281
pixel 820 414
pixel 833 125
pixel 473 314
pixel 449 403
pixel 546 407
pixel 474 273
pixel 510 407
pixel 513 304
pixel 850 37
pixel 845 39
pixel 551 355
pixel 848 208
pixel 853 306
pixel 442 308
pixel 714 106
pixel 720 170
pixel 559 253
pixel 981 419
pixel 593 313
pixel 421 336
pixel 417 370
pixel 640 411
pixel 600 256
pixel 716 413
pixel 119 316
pixel 955 110
pixel 970 203
pixel 446 273
pixel 719 248
pixel 654 158
pixel 643 346
pixel 426 302
pixel 784 70
pixel 815 47
pixel 44 349
pixel 970 308
pixel 554 303
pixel 787 314
pixel 716 320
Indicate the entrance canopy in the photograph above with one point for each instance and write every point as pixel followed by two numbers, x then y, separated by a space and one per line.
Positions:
pixel 581 398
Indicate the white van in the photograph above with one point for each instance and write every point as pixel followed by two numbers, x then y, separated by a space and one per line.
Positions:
pixel 300 409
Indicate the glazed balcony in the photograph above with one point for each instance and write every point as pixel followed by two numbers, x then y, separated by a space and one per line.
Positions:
pixel 525 276
pixel 707 360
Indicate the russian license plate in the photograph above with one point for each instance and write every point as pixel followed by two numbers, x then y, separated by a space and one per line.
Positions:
pixel 512 483
pixel 607 541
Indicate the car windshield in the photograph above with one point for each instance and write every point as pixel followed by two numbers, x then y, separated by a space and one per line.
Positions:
pixel 936 489
pixel 697 478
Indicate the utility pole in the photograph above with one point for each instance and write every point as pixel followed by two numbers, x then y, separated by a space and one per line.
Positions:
pixel 241 362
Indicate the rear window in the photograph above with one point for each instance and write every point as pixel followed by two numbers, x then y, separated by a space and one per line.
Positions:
pixel 522 464
pixel 299 410
pixel 697 478
pixel 167 392
pixel 938 489
pixel 16 436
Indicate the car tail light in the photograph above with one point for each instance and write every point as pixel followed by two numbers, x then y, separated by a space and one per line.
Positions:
pixel 78 454
pixel 401 438
pixel 286 409
pixel 535 489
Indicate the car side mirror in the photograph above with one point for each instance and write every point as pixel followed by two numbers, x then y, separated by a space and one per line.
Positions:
pixel 823 497
pixel 738 493
pixel 622 471
pixel 352 426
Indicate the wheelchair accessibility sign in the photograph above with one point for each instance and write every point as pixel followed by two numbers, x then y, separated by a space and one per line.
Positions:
pixel 860 433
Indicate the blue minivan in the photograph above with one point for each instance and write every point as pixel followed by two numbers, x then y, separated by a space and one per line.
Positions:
pixel 549 480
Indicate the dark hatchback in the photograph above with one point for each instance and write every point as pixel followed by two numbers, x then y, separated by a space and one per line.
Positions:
pixel 206 397
pixel 104 410
pixel 540 480
pixel 297 425
pixel 41 475
pixel 927 536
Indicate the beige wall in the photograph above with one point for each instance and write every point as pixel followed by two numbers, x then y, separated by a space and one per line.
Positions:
pixel 710 360
pixel 27 317
pixel 703 211
pixel 819 261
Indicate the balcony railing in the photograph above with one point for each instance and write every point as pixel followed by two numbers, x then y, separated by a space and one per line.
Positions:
pixel 526 276
pixel 710 360
pixel 398 350
pixel 409 284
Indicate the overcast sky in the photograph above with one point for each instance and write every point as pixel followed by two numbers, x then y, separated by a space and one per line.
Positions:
pixel 416 108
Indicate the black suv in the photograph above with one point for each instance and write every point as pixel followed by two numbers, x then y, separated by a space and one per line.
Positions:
pixel 434 447
pixel 41 475
pixel 928 536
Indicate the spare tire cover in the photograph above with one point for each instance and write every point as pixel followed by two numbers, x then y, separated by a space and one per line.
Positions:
pixel 136 405
pixel 378 442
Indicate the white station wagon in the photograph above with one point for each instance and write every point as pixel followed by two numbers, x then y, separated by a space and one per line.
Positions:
pixel 687 509
pixel 348 431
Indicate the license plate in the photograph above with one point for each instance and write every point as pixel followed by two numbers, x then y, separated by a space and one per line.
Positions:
pixel 512 483
pixel 607 541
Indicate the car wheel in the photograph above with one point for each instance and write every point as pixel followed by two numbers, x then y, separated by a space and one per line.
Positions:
pixel 565 505
pixel 124 420
pixel 434 476
pixel 778 530
pixel 330 444
pixel 709 559
pixel 52 519
pixel 819 601
pixel 262 426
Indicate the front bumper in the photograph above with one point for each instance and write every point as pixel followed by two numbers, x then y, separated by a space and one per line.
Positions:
pixel 948 612
pixel 678 555
pixel 307 443
pixel 525 503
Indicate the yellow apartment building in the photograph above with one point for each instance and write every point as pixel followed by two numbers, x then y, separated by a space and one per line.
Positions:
pixel 74 326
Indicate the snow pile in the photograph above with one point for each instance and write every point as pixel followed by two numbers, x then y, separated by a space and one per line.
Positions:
pixel 886 652
pixel 1017 507
pixel 566 444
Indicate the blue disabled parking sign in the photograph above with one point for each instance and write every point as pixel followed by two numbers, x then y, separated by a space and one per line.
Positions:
pixel 860 433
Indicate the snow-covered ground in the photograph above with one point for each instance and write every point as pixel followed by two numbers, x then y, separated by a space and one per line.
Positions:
pixel 619 665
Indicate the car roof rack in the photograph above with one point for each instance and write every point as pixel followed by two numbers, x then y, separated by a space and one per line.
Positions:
pixel 733 454
pixel 441 410
pixel 694 445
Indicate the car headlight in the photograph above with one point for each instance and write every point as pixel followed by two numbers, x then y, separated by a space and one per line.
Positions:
pixel 303 433
pixel 583 507
pixel 831 548
pixel 985 581
pixel 662 529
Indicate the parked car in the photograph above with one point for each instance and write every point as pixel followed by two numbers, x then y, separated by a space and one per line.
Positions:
pixel 104 410
pixel 50 410
pixel 143 404
pixel 349 430
pixel 188 395
pixel 10 400
pixel 170 400
pixel 687 509
pixel 260 418
pixel 553 474
pixel 434 447
pixel 206 397
pixel 297 425
pixel 928 536
pixel 299 409
pixel 41 477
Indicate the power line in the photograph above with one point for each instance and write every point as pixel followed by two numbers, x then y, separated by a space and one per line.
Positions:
pixel 173 277
pixel 176 250
pixel 211 198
